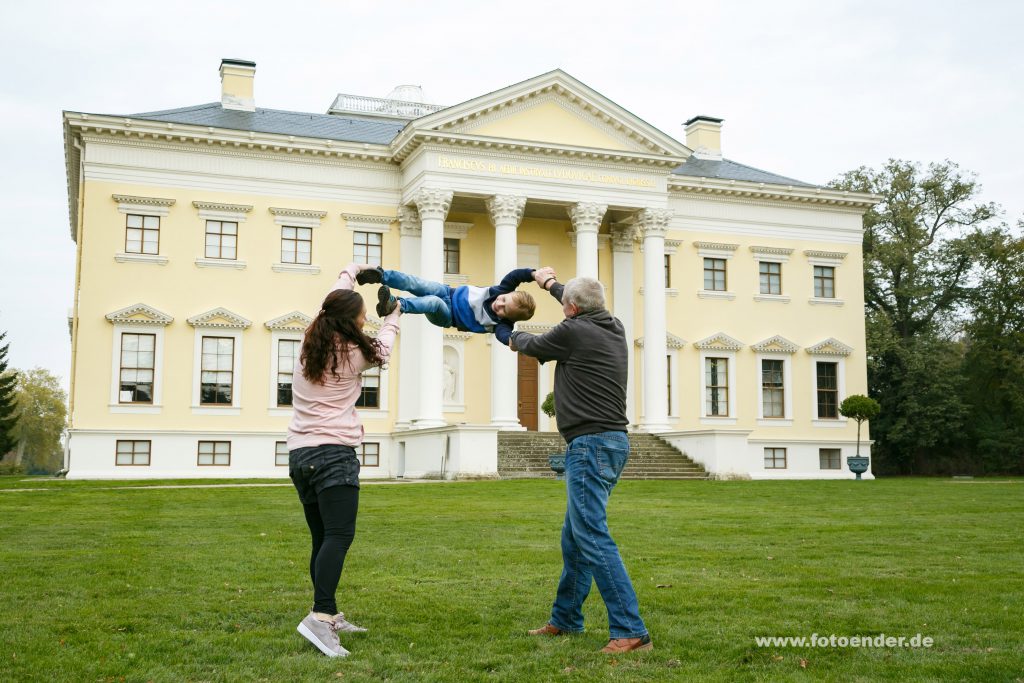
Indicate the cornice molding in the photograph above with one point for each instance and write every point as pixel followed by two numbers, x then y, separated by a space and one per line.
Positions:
pixel 770 251
pixel 716 246
pixel 296 321
pixel 302 218
pixel 226 208
pixel 458 336
pixel 534 328
pixel 719 342
pixel 125 316
pixel 830 347
pixel 142 201
pixel 785 193
pixel 433 203
pixel 228 320
pixel 368 223
pixel 777 343
pixel 671 341
pixel 506 209
pixel 815 254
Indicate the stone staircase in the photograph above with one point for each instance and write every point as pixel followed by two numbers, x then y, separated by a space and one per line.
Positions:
pixel 524 455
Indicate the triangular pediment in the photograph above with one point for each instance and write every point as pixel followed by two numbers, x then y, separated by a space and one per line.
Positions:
pixel 776 344
pixel 296 321
pixel 139 314
pixel 554 109
pixel 830 347
pixel 719 342
pixel 219 318
pixel 671 341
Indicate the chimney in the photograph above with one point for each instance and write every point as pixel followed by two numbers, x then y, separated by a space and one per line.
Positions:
pixel 704 137
pixel 236 81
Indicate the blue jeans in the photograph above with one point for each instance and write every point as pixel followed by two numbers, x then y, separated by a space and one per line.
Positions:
pixel 432 299
pixel 593 463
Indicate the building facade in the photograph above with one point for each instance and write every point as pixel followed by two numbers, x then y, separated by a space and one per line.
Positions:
pixel 208 235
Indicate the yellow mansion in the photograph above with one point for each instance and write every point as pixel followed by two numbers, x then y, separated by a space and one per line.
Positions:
pixel 208 235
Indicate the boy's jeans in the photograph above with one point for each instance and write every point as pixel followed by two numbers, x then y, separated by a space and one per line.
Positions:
pixel 432 299
pixel 593 463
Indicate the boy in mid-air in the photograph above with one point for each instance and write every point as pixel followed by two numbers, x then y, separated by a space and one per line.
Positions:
pixel 466 308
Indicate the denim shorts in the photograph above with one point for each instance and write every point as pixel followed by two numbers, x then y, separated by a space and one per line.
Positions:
pixel 315 468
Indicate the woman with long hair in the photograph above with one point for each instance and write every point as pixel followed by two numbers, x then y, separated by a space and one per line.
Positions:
pixel 322 437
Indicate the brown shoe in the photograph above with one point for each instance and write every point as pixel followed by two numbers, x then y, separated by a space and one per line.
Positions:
pixel 618 646
pixel 547 630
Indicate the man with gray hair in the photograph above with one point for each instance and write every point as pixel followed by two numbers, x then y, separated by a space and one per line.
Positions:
pixel 590 406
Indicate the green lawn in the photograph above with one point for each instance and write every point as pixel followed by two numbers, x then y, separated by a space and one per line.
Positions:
pixel 102 582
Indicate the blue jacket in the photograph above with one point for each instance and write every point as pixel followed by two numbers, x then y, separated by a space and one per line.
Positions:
pixel 471 306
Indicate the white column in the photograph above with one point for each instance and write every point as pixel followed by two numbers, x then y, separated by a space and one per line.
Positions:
pixel 506 211
pixel 653 226
pixel 622 302
pixel 586 221
pixel 433 205
pixel 408 340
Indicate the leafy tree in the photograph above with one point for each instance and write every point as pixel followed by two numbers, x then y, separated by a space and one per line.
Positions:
pixel 548 406
pixel 41 423
pixel 8 402
pixel 921 245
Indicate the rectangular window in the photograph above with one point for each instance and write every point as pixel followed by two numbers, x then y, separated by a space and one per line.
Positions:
pixel 218 366
pixel 137 360
pixel 824 282
pixel 773 397
pixel 668 377
pixel 296 245
pixel 771 277
pixel 668 271
pixel 287 354
pixel 221 240
pixel 714 274
pixel 367 248
pixel 828 391
pixel 281 454
pixel 369 395
pixel 214 453
pixel 133 452
pixel 829 458
pixel 452 249
pixel 716 386
pixel 142 235
pixel 775 458
pixel 369 454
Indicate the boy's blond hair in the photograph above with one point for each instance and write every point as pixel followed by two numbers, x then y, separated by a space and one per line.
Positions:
pixel 521 306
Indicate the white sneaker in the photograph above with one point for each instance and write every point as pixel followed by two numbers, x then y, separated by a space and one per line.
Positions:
pixel 343 624
pixel 322 634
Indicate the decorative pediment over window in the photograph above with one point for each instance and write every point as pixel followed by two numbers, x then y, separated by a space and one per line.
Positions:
pixel 830 347
pixel 551 109
pixel 719 342
pixel 296 321
pixel 219 318
pixel 671 341
pixel 139 314
pixel 776 344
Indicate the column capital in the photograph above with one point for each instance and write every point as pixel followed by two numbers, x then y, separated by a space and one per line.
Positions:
pixel 506 208
pixel 409 221
pixel 623 235
pixel 654 222
pixel 433 203
pixel 587 216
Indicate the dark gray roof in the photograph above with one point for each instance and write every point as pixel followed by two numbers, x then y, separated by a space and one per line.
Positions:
pixel 730 170
pixel 326 126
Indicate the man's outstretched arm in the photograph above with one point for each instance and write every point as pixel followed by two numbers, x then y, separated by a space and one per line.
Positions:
pixel 545 279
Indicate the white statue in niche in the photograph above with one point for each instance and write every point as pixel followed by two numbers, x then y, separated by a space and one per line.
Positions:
pixel 451 374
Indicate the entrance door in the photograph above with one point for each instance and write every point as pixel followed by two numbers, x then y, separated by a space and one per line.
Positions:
pixel 528 392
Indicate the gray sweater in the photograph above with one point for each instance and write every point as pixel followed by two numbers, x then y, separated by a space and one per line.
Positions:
pixel 592 371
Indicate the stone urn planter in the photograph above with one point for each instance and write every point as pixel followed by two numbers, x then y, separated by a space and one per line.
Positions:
pixel 857 464
pixel 557 462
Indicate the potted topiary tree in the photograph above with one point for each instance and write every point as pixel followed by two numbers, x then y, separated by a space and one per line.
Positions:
pixel 860 408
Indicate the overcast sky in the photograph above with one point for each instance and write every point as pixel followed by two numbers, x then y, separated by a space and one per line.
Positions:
pixel 807 89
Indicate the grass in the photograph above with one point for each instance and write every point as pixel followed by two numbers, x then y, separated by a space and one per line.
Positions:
pixel 107 583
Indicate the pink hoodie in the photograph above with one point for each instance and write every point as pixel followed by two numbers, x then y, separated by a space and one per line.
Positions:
pixel 325 413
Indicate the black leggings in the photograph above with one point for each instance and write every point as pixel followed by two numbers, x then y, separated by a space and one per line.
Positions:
pixel 332 524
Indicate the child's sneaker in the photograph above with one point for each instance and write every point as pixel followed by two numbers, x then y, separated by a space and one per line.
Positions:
pixel 370 276
pixel 343 624
pixel 323 634
pixel 385 302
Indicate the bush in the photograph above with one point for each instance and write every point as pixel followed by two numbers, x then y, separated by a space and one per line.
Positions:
pixel 548 406
pixel 8 468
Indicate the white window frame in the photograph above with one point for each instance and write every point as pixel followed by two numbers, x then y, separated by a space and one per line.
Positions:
pixel 832 260
pixel 840 362
pixel 227 213
pixel 459 231
pixel 731 418
pixel 787 390
pixel 143 206
pixel 236 375
pixel 296 218
pixel 156 407
pixel 275 337
pixel 716 250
